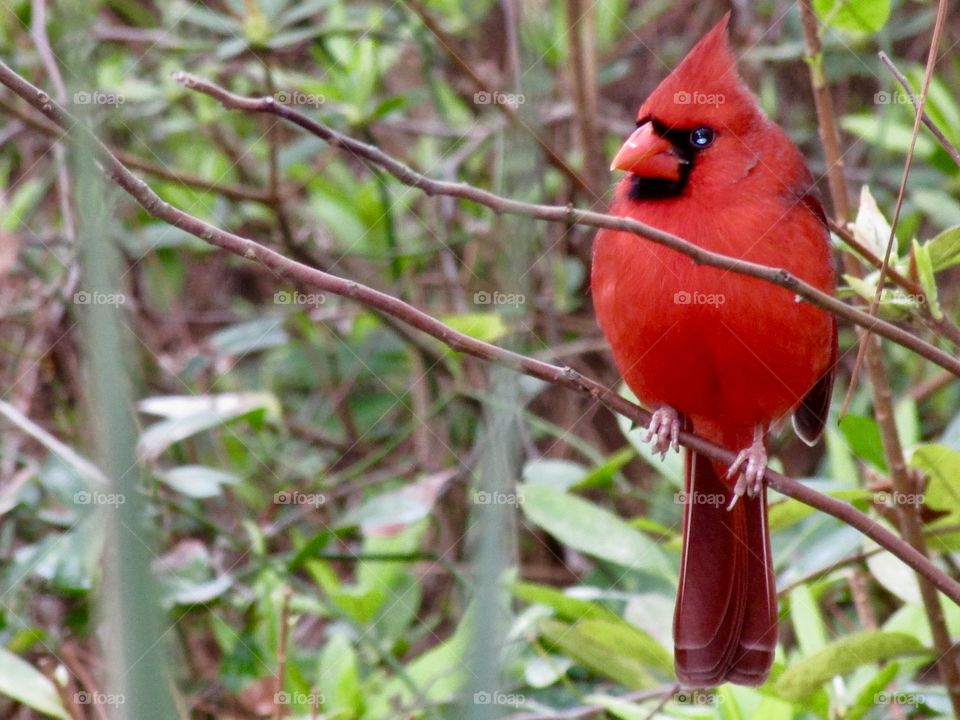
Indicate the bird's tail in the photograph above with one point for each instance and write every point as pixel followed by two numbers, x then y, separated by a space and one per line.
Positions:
pixel 725 623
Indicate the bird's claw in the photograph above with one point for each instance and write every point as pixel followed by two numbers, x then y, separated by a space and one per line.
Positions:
pixel 749 478
pixel 663 432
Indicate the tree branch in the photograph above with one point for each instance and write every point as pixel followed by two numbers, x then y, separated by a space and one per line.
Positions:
pixel 572 215
pixel 567 377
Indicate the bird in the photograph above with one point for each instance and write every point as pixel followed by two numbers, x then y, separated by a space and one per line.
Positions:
pixel 720 354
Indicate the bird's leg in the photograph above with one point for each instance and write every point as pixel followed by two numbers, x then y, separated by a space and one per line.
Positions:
pixel 750 478
pixel 663 430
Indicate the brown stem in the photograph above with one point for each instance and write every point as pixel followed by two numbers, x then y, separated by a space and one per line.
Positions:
pixel 951 149
pixel 572 215
pixel 449 46
pixel 908 514
pixel 583 78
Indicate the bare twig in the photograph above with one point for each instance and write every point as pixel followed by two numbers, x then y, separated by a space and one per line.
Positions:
pixel 234 192
pixel 866 254
pixel 567 377
pixel 951 149
pixel 282 639
pixel 449 46
pixel 583 79
pixel 572 215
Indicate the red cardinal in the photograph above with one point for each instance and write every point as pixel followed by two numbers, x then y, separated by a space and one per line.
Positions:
pixel 721 354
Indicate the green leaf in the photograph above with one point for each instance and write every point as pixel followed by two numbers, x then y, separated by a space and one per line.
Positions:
pixel 603 475
pixel 871 227
pixel 558 474
pixel 841 657
pixel 188 415
pixel 940 207
pixel 866 16
pixel 488 327
pixel 339 680
pixel 566 607
pixel 787 512
pixel 544 670
pixel 24 683
pixel 438 675
pixel 944 249
pixel 618 708
pixel 591 529
pixel 866 699
pixel 612 649
pixel 807 622
pixel 891 136
pixel 942 465
pixel 925 271
pixel 894 575
pixel 197 481
pixel 863 435
pixel 771 708
pixel 255 335
pixel 14 213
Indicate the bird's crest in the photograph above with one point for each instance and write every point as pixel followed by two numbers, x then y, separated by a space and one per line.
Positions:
pixel 704 87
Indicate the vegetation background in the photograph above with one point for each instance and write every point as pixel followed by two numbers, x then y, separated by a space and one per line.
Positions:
pixel 316 511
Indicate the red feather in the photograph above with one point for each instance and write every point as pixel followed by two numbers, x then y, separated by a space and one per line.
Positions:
pixel 728 352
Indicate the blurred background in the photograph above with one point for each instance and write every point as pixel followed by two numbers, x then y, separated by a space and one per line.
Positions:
pixel 223 495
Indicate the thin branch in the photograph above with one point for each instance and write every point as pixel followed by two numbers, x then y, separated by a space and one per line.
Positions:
pixel 449 46
pixel 951 149
pixel 234 192
pixel 572 215
pixel 944 325
pixel 564 376
pixel 867 254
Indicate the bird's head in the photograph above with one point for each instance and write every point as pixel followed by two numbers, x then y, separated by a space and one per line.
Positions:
pixel 697 128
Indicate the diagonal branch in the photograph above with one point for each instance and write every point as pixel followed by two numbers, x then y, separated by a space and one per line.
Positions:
pixel 572 215
pixel 565 376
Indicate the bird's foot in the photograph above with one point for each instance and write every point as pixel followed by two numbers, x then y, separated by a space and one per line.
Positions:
pixel 664 430
pixel 750 477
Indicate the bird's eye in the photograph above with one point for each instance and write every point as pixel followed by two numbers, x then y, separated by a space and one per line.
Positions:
pixel 701 137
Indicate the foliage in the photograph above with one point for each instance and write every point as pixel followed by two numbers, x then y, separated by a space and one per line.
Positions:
pixel 316 476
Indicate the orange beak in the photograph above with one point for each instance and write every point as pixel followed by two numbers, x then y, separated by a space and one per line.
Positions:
pixel 648 155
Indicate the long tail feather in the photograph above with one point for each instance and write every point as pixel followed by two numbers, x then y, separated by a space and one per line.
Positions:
pixel 725 623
